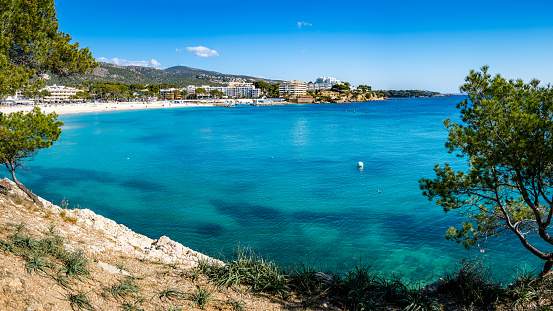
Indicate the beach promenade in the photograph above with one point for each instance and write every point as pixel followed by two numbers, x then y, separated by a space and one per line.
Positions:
pixel 100 107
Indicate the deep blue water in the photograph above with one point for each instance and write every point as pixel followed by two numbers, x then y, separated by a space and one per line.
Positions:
pixel 281 179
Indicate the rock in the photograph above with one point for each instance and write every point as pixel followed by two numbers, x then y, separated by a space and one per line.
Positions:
pixel 434 288
pixel 124 239
pixel 168 251
pixel 323 277
pixel 16 284
pixel 69 248
pixel 111 268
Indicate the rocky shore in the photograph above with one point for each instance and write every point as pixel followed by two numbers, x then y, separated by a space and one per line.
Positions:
pixel 157 268
pixel 117 237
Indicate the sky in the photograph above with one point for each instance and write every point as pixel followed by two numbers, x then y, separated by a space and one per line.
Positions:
pixel 426 45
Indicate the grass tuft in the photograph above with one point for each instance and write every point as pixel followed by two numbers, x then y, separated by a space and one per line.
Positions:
pixel 79 301
pixel 471 285
pixel 75 265
pixel 201 297
pixel 249 269
pixel 39 264
pixel 170 293
pixel 124 289
pixel 236 305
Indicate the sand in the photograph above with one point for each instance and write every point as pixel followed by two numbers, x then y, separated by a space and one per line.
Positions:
pixel 100 107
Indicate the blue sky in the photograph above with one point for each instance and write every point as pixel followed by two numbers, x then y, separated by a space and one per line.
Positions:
pixel 430 45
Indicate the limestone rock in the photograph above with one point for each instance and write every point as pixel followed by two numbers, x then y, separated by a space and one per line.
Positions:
pixel 111 268
pixel 124 239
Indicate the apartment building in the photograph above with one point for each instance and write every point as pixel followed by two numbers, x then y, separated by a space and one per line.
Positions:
pixel 233 90
pixel 319 86
pixel 294 88
pixel 172 93
pixel 59 93
pixel 329 80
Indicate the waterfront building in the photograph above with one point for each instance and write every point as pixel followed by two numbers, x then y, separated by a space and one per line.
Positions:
pixel 59 93
pixel 233 90
pixel 329 80
pixel 294 88
pixel 319 86
pixel 171 93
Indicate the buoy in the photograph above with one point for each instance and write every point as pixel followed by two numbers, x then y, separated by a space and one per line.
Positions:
pixel 359 164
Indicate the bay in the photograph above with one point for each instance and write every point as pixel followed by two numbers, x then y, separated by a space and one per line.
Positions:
pixel 282 180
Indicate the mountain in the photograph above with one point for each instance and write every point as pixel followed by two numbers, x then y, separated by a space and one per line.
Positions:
pixel 178 75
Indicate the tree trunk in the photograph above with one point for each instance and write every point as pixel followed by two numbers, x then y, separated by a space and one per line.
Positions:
pixel 27 191
pixel 547 267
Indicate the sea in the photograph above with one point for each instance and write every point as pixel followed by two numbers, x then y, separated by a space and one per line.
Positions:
pixel 283 181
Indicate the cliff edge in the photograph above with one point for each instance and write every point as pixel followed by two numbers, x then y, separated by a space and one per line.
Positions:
pixel 124 270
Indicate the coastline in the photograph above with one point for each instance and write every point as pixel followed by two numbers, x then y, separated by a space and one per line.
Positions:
pixel 112 256
pixel 116 237
pixel 74 108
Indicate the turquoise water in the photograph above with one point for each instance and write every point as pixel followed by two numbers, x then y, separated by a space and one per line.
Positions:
pixel 281 179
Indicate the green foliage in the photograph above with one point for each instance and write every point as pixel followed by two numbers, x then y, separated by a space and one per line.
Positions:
pixel 340 87
pixel 22 135
pixel 130 306
pixel 471 285
pixel 216 94
pixel 201 297
pixel 236 305
pixel 31 44
pixel 506 136
pixel 200 91
pixel 264 86
pixel 273 90
pixel 111 91
pixel 47 256
pixel 170 293
pixel 251 270
pixel 126 287
pixel 75 265
pixel 79 301
pixel 364 88
pixel 39 264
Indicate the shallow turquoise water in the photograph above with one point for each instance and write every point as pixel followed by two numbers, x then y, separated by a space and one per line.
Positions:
pixel 281 179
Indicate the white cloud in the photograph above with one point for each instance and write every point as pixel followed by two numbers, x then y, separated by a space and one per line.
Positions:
pixel 123 62
pixel 155 63
pixel 202 51
pixel 301 24
pixel 178 50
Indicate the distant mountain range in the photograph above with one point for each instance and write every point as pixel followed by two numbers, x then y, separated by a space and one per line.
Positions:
pixel 178 75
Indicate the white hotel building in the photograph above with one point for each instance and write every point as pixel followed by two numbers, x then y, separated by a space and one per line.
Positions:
pixel 233 90
pixel 59 93
pixel 294 88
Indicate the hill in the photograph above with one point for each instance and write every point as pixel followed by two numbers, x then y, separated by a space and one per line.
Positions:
pixel 178 75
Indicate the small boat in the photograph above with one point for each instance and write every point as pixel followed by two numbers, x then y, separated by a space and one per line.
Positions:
pixel 359 164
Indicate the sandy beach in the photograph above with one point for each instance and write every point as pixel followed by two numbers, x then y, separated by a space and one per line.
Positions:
pixel 100 107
